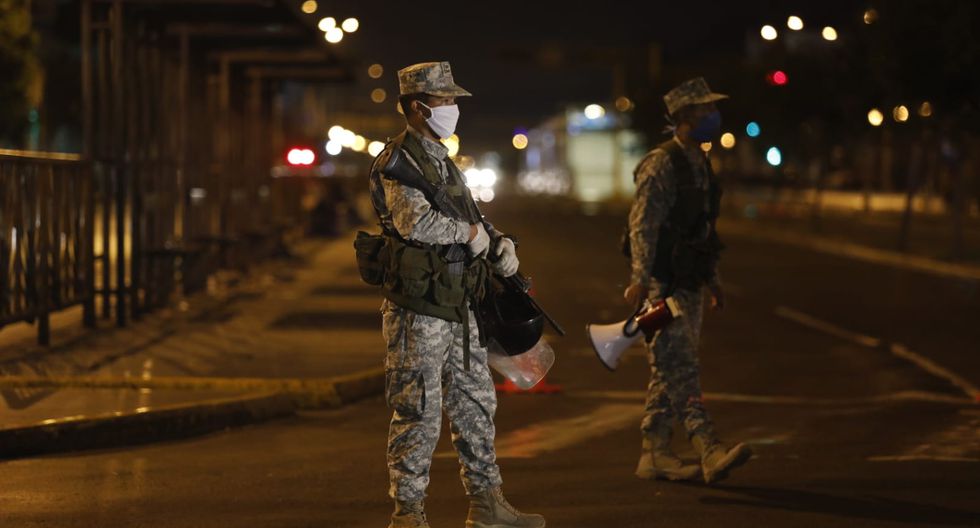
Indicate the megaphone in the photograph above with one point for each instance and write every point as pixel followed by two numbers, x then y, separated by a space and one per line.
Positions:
pixel 610 340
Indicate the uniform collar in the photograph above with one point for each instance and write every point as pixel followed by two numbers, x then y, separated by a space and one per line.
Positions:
pixel 433 148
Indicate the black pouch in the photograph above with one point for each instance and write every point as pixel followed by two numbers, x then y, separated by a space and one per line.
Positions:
pixel 368 249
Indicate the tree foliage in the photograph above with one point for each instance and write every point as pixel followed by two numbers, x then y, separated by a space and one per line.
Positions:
pixel 21 84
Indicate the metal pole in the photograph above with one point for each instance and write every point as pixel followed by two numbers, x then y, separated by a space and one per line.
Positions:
pixel 119 153
pixel 87 246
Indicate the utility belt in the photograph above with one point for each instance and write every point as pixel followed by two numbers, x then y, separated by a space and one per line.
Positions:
pixel 438 281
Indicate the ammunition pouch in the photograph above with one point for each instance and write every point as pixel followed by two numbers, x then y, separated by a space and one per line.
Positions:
pixel 369 251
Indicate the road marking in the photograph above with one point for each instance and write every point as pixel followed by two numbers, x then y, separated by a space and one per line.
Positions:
pixel 552 435
pixel 827 328
pixel 918 396
pixel 935 369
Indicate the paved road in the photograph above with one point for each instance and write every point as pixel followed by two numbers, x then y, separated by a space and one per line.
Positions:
pixel 842 375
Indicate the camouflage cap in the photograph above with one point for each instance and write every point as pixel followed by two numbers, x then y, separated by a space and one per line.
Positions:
pixel 433 78
pixel 694 91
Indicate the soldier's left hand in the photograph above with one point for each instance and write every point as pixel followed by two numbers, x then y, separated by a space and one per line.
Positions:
pixel 507 263
pixel 717 297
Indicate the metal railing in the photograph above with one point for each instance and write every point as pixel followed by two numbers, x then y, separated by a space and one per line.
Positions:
pixel 46 233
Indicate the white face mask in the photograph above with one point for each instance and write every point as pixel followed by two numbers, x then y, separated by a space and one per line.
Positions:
pixel 443 119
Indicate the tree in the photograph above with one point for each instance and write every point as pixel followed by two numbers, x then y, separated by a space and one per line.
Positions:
pixel 22 83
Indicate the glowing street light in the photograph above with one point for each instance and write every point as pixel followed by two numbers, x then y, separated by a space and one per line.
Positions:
pixel 333 147
pixel 452 145
pixel 359 143
pixel 594 111
pixel 378 95
pixel 900 113
pixel 774 157
pixel 753 129
pixel 375 148
pixel 706 146
pixel 309 7
pixel 335 132
pixel 350 25
pixel 334 35
pixel 375 71
pixel 624 104
pixel 875 117
pixel 519 141
pixel 768 32
pixel 327 23
pixel 870 16
pixel 795 23
pixel 925 109
pixel 829 34
pixel 727 140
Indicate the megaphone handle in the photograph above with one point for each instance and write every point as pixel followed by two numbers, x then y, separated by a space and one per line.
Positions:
pixel 631 321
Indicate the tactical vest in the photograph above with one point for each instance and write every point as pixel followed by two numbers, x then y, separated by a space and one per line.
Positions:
pixel 435 280
pixel 688 246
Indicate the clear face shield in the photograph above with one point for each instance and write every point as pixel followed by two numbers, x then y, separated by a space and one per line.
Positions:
pixel 526 369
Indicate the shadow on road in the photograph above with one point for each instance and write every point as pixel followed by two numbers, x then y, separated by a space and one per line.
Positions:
pixel 865 507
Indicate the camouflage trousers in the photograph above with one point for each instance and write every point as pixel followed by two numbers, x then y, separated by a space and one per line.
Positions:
pixel 675 387
pixel 425 376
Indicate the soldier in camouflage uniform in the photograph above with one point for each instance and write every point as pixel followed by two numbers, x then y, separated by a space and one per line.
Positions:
pixel 434 359
pixel 674 252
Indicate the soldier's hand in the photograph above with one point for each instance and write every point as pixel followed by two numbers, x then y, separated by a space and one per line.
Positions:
pixel 635 294
pixel 717 297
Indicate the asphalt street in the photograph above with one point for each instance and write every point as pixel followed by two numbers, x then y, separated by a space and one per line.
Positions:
pixel 851 381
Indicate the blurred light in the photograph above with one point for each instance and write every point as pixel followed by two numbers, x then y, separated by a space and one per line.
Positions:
pixel 347 138
pixel 519 141
pixel 378 95
pixel 777 78
pixel 359 143
pixel 870 16
pixel 309 7
pixel 875 117
pixel 795 23
pixel 728 140
pixel 925 109
pixel 473 177
pixel 706 146
pixel 327 23
pixel 350 25
pixel 375 148
pixel 488 177
pixel 335 132
pixel 487 195
pixel 594 111
pixel 753 129
pixel 829 33
pixel 375 71
pixel 768 32
pixel 623 104
pixel 774 156
pixel 198 193
pixel 900 113
pixel 452 144
pixel 334 35
pixel 300 156
pixel 334 147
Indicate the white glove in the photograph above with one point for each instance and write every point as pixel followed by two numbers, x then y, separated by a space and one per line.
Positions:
pixel 507 264
pixel 480 243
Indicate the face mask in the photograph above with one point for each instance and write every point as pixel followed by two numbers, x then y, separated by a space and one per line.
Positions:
pixel 707 128
pixel 443 119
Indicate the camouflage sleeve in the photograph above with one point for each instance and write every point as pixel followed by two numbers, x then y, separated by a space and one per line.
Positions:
pixel 414 218
pixel 655 195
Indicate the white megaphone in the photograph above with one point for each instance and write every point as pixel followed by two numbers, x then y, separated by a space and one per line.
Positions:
pixel 610 340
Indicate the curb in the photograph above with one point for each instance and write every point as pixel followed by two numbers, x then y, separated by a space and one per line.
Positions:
pixel 281 398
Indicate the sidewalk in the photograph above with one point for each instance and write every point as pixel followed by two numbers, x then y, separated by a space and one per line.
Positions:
pixel 254 348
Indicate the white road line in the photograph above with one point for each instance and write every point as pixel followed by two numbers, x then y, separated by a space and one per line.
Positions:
pixel 933 368
pixel 552 435
pixel 827 328
pixel 919 396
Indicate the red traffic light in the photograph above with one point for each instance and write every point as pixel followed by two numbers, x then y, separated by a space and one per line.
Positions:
pixel 777 78
pixel 299 156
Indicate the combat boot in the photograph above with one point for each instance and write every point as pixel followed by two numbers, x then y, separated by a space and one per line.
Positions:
pixel 657 461
pixel 489 509
pixel 408 515
pixel 717 459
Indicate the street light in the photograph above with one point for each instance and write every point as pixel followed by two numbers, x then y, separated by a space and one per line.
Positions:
pixel 375 148
pixel 774 157
pixel 359 143
pixel 795 23
pixel 925 109
pixel 768 32
pixel 753 129
pixel 309 7
pixel 727 140
pixel 519 141
pixel 870 16
pixel 900 113
pixel 335 132
pixel 350 25
pixel 378 95
pixel 375 71
pixel 333 147
pixel 594 111
pixel 327 23
pixel 334 35
pixel 875 117
pixel 829 34
pixel 624 104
